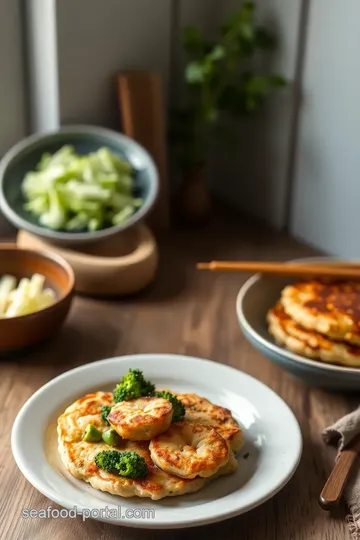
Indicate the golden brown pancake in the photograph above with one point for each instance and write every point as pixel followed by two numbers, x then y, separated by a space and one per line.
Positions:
pixel 333 309
pixel 78 456
pixel 141 419
pixel 201 410
pixel 310 343
pixel 189 450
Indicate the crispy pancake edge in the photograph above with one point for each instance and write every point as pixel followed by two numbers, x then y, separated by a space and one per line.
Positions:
pixel 332 309
pixel 309 343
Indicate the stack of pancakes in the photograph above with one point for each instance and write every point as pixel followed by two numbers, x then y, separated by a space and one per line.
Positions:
pixel 319 320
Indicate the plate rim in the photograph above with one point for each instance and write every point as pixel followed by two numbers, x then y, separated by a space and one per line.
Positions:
pixel 43 488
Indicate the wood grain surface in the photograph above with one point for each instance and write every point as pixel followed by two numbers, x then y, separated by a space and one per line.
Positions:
pixel 191 312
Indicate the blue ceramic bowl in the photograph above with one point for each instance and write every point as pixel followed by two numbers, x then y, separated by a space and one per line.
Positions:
pixel 254 300
pixel 24 157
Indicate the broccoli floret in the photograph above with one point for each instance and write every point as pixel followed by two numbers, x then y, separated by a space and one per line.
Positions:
pixel 133 386
pixel 128 464
pixel 179 409
pixel 105 411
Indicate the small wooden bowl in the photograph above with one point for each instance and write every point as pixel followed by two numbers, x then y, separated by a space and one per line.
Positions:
pixel 25 331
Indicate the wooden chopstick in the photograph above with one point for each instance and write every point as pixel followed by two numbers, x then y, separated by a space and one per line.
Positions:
pixel 326 269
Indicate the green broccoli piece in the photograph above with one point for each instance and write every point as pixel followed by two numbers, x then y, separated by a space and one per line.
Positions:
pixel 133 386
pixel 128 464
pixel 179 409
pixel 105 411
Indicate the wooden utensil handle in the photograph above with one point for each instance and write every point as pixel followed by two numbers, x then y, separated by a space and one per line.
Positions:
pixel 284 269
pixel 335 484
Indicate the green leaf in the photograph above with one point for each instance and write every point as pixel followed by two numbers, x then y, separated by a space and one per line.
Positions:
pixel 278 81
pixel 239 31
pixel 197 72
pixel 247 31
pixel 194 73
pixel 193 41
pixel 262 85
pixel 218 53
pixel 241 18
pixel 258 85
pixel 216 80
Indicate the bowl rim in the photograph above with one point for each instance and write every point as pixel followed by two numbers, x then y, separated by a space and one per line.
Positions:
pixel 49 256
pixel 25 145
pixel 267 345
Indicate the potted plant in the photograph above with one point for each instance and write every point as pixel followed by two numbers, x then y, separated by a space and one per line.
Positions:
pixel 221 84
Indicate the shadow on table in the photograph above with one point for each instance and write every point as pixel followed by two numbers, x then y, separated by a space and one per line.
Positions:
pixel 169 282
pixel 70 347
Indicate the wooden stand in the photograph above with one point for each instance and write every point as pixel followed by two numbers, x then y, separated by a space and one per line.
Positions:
pixel 122 265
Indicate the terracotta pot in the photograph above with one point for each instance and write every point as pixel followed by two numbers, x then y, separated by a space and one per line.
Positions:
pixel 193 199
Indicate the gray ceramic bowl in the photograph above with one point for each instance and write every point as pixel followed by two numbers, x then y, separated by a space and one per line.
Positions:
pixel 24 156
pixel 255 298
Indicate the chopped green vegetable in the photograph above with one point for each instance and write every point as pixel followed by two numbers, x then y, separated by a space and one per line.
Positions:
pixel 178 407
pixel 123 215
pixel 92 434
pixel 55 216
pixel 76 193
pixel 111 437
pixel 128 464
pixel 105 411
pixel 77 223
pixel 133 385
pixel 94 224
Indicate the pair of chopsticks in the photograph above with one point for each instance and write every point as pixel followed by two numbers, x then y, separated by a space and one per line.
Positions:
pixel 335 269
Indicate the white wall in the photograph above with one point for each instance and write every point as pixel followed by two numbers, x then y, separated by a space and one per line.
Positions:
pixel 12 107
pixel 254 173
pixel 42 61
pixel 12 81
pixel 326 191
pixel 115 35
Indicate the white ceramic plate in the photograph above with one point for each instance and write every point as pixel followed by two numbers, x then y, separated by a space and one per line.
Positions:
pixel 272 451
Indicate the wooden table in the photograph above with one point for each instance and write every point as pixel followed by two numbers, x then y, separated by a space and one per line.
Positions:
pixel 188 312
